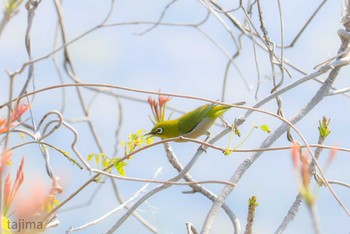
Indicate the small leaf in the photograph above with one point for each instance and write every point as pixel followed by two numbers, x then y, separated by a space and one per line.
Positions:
pixel 22 135
pixel 253 201
pixel 136 140
pixel 227 151
pixel 139 132
pixel 324 128
pixel 105 162
pixel 265 128
pixel 149 140
pixel 132 136
pixel 121 171
pixel 120 167
pixel 89 157
pixel 97 158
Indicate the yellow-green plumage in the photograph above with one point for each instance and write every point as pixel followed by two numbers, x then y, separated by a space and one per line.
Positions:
pixel 192 124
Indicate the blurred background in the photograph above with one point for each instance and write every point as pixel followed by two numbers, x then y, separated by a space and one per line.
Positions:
pixel 178 56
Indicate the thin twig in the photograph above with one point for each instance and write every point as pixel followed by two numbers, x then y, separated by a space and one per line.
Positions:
pixel 120 207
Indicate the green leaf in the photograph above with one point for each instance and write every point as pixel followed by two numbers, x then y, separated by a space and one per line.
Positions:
pixel 136 141
pixel 324 128
pixel 227 151
pixel 121 171
pixel 253 201
pixel 120 167
pixel 97 158
pixel 89 157
pixel 149 140
pixel 105 162
pixel 265 128
pixel 132 136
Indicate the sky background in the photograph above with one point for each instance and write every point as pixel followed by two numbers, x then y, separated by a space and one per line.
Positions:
pixel 181 60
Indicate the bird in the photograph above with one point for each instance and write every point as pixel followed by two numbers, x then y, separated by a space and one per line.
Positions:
pixel 192 124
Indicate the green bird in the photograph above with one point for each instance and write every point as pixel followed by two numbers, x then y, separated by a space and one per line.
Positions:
pixel 192 124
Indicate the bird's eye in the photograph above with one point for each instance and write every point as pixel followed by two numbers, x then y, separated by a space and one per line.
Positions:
pixel 159 130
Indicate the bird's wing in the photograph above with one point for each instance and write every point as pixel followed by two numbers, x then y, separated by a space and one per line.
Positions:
pixel 190 120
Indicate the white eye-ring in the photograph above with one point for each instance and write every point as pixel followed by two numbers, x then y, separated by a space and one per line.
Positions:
pixel 159 130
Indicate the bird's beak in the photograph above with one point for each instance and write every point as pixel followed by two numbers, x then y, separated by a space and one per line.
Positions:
pixel 148 135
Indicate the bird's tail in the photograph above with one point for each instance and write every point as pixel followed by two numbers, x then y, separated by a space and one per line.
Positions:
pixel 220 110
